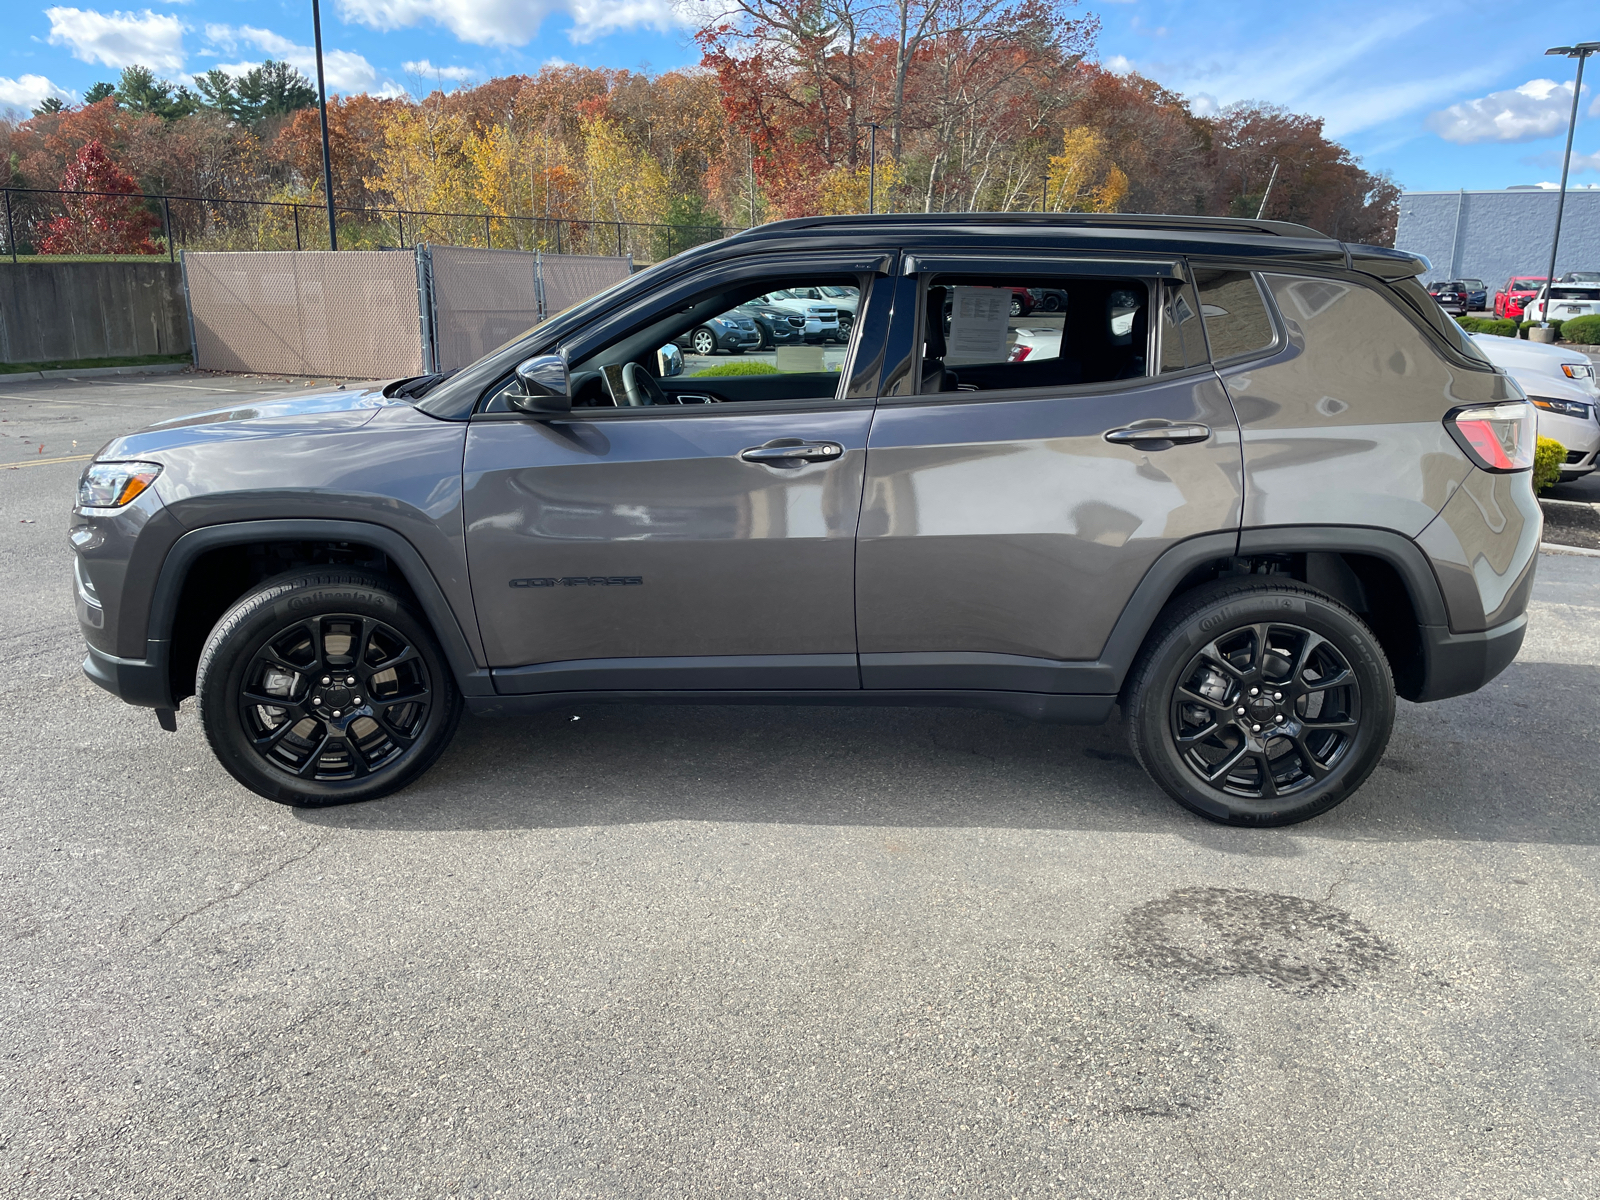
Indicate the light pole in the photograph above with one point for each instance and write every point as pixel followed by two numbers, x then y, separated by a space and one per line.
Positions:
pixel 872 167
pixel 322 110
pixel 1581 51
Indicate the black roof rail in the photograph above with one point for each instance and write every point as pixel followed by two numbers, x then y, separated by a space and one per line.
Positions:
pixel 1168 221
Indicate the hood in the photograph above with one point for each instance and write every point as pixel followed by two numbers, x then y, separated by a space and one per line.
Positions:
pixel 324 412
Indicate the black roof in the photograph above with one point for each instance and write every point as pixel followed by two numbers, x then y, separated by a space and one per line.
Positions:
pixel 1232 237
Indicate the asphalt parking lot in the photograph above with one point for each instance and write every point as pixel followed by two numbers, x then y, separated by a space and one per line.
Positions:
pixel 625 951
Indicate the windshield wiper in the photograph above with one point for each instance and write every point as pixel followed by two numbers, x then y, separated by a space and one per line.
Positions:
pixel 417 386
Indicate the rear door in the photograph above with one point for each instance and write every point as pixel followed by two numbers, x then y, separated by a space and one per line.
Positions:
pixel 704 540
pixel 1030 469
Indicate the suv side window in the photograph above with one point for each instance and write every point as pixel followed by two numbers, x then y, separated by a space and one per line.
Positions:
pixel 984 333
pixel 1234 312
pixel 776 339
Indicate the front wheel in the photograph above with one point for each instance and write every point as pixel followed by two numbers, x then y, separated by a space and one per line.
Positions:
pixel 324 687
pixel 1260 703
pixel 846 322
pixel 703 342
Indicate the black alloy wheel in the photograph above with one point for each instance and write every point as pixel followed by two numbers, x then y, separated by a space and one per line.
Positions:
pixel 703 342
pixel 325 688
pixel 1267 710
pixel 1260 703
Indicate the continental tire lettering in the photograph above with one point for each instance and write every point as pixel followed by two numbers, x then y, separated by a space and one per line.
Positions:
pixel 546 581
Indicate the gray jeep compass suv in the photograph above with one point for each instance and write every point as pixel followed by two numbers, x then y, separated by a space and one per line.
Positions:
pixel 1245 481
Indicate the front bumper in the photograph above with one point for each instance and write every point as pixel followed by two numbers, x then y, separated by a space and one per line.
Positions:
pixel 141 681
pixel 739 339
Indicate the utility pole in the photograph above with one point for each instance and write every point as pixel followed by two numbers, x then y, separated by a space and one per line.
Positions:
pixel 1271 179
pixel 872 167
pixel 1581 51
pixel 322 110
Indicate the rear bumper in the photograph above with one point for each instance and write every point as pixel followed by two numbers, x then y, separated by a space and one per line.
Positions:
pixel 1457 663
pixel 138 681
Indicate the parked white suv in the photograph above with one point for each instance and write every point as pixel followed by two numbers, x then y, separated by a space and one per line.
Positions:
pixel 1562 385
pixel 822 316
pixel 1567 300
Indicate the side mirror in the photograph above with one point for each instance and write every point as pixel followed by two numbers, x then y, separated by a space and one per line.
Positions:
pixel 546 387
pixel 669 361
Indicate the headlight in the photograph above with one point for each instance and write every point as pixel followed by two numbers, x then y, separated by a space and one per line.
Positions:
pixel 113 484
pixel 1578 370
pixel 1567 408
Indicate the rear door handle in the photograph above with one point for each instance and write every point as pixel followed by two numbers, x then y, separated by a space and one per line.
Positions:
pixel 790 450
pixel 1172 435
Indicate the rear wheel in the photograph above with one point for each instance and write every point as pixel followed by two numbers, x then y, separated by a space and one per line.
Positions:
pixel 1260 703
pixel 324 688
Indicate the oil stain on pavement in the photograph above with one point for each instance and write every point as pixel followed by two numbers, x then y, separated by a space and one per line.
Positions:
pixel 1202 934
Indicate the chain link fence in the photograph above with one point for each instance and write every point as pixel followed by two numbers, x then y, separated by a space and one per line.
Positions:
pixel 108 226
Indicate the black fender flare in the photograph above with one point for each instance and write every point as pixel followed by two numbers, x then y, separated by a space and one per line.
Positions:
pixel 470 677
pixel 1167 572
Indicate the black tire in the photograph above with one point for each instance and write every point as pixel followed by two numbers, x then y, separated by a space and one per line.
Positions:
pixel 327 742
pixel 705 346
pixel 846 323
pixel 1307 738
pixel 1016 306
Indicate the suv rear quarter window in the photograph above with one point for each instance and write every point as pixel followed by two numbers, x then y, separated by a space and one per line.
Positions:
pixel 1235 314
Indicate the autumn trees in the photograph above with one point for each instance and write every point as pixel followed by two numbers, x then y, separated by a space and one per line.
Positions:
pixel 978 105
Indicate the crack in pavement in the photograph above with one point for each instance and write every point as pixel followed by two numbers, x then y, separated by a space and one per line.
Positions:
pixel 240 890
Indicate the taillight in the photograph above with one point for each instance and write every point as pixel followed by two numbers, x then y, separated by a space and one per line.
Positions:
pixel 1497 437
pixel 1018 353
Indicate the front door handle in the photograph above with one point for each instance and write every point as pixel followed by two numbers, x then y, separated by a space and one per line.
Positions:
pixel 1159 437
pixel 792 450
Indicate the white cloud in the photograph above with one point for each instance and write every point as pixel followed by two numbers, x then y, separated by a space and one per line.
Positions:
pixel 119 40
pixel 346 72
pixel 1316 69
pixel 1204 104
pixel 423 67
pixel 596 18
pixel 1537 109
pixel 513 22
pixel 29 92
pixel 1118 64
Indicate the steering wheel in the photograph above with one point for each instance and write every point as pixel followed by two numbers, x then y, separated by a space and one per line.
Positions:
pixel 639 387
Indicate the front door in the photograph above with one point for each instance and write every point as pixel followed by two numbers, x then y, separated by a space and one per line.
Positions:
pixel 679 532
pixel 1062 430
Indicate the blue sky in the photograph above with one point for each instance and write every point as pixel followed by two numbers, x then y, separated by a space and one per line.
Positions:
pixel 1441 96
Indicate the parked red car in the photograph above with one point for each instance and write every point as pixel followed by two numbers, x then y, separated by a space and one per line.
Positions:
pixel 1510 300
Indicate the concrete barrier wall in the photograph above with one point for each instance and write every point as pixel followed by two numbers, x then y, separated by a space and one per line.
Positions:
pixel 71 310
pixel 1495 235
